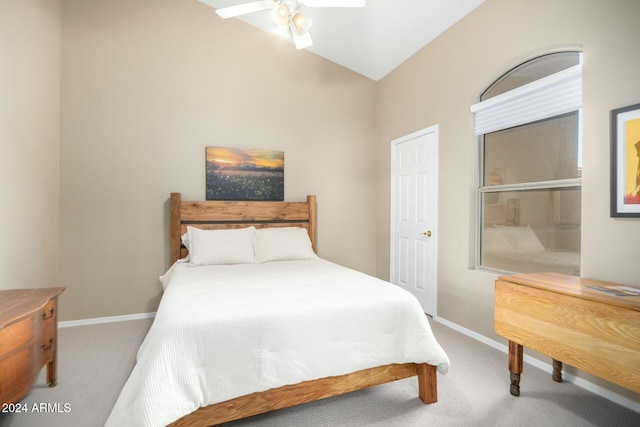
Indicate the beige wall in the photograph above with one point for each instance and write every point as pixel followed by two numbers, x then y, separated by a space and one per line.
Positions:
pixel 146 86
pixel 30 32
pixel 437 85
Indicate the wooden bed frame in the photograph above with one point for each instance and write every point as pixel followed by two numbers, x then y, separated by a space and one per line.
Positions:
pixel 211 215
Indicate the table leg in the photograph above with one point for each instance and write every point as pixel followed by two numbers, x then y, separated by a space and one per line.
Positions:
pixel 515 367
pixel 52 366
pixel 557 371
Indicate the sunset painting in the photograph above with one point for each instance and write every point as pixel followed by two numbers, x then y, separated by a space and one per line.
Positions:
pixel 237 174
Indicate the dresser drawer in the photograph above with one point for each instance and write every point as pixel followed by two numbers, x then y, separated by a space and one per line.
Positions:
pixel 49 311
pixel 16 374
pixel 47 343
pixel 15 336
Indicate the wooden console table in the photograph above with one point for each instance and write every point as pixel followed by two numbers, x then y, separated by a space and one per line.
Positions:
pixel 28 339
pixel 559 316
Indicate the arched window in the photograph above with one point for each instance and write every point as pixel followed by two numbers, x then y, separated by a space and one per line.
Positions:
pixel 528 124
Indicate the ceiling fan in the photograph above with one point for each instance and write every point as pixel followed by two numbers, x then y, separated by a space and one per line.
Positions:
pixel 286 14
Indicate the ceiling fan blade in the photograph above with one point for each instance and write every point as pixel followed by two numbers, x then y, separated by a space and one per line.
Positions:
pixel 243 9
pixel 301 41
pixel 334 3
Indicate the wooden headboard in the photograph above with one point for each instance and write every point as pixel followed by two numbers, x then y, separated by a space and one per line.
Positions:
pixel 217 215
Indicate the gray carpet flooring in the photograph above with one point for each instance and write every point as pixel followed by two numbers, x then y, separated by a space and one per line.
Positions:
pixel 95 361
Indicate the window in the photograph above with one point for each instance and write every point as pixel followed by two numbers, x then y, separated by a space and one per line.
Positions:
pixel 529 194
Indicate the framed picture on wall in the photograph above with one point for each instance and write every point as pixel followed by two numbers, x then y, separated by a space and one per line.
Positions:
pixel 239 174
pixel 625 161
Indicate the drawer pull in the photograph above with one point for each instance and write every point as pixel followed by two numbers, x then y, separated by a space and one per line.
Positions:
pixel 47 347
pixel 45 317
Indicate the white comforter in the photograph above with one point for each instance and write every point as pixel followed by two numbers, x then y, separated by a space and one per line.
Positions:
pixel 226 331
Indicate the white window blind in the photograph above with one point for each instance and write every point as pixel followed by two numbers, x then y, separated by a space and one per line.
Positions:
pixel 550 96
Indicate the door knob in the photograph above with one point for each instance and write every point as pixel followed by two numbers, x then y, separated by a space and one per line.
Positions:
pixel 427 233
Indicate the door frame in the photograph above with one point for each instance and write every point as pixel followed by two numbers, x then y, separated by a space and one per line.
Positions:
pixel 394 143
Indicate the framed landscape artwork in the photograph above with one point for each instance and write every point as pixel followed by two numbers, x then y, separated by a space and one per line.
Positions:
pixel 625 161
pixel 239 174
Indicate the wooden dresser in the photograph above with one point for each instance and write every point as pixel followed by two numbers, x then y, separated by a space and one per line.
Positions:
pixel 559 316
pixel 28 339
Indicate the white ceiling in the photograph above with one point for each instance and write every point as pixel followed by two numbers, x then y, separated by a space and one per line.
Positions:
pixel 373 40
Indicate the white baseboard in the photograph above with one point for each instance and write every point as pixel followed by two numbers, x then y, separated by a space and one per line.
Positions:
pixel 110 319
pixel 582 383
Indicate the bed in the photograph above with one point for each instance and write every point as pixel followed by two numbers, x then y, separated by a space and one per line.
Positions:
pixel 235 339
pixel 518 248
pixel 510 246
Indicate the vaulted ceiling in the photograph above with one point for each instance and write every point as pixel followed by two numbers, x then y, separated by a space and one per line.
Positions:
pixel 373 40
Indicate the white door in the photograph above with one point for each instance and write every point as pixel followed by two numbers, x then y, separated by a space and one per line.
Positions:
pixel 414 210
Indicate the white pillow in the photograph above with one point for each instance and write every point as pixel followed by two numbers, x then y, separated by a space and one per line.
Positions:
pixel 522 239
pixel 211 247
pixel 185 241
pixel 283 244
pixel 495 240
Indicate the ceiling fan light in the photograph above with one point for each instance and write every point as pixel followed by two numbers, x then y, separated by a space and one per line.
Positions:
pixel 301 41
pixel 280 15
pixel 301 23
pixel 281 31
